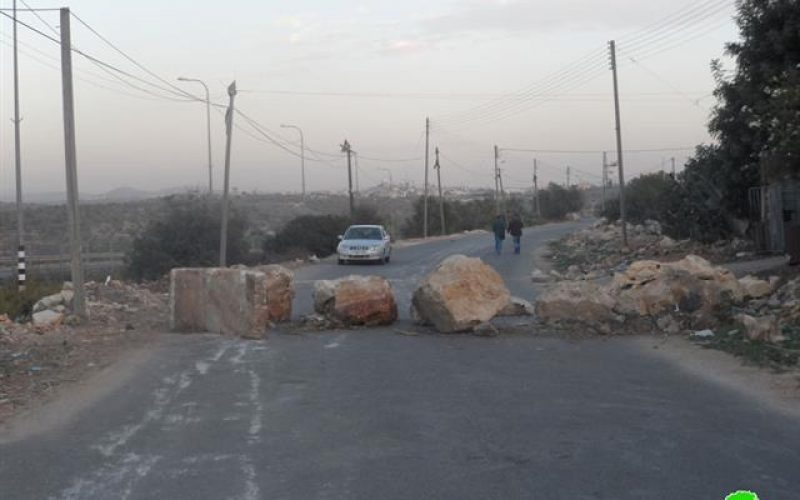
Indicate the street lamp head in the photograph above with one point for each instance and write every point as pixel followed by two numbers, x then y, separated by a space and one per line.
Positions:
pixel 182 79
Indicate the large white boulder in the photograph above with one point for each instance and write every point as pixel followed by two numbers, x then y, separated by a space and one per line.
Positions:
pixel 461 293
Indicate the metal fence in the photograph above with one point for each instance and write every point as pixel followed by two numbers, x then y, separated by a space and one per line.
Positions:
pixel 775 215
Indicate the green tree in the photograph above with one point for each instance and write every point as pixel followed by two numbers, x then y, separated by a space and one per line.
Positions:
pixel 187 235
pixel 756 121
pixel 557 201
pixel 318 234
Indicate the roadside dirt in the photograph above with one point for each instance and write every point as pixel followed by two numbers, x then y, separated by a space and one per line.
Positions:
pixel 779 391
pixel 35 363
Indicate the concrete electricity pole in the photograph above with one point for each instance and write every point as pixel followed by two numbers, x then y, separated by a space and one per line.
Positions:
pixel 223 237
pixel 605 174
pixel 302 157
pixel 568 172
pixel 18 164
pixel 427 160
pixel 441 198
pixel 347 149
pixel 623 218
pixel 208 129
pixel 70 154
pixel 496 180
pixel 536 189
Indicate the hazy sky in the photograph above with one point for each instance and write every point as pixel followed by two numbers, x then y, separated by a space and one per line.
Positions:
pixel 395 62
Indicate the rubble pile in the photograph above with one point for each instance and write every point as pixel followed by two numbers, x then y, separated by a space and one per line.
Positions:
pixel 597 251
pixel 686 295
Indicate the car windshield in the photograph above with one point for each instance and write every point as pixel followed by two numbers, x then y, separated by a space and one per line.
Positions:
pixel 363 233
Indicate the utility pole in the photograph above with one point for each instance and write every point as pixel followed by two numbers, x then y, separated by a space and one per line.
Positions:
pixel 504 207
pixel 496 180
pixel 441 198
pixel 18 164
pixel 355 169
pixel 208 128
pixel 346 149
pixel 623 218
pixel 302 158
pixel 536 189
pixel 568 176
pixel 427 155
pixel 71 160
pixel 223 238
pixel 605 173
pixel 673 166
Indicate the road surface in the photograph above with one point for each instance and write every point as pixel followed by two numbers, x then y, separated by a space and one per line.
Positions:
pixel 374 414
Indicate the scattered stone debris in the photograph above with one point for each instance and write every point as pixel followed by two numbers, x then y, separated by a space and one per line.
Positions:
pixel 688 293
pixel 597 251
pixel 517 307
pixel 703 334
pixel 355 301
pixel 55 347
pixel 537 276
pixel 460 294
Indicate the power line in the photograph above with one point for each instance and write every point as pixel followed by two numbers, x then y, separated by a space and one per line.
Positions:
pixel 177 90
pixel 104 64
pixel 595 151
pixel 672 26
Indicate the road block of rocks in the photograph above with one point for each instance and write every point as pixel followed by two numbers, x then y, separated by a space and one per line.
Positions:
pixel 240 302
pixel 355 301
pixel 690 293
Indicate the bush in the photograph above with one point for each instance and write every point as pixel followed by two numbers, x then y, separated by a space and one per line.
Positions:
pixel 556 201
pixel 682 210
pixel 20 305
pixel 186 236
pixel 317 234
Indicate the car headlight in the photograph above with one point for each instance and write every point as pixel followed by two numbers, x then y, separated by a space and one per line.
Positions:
pixel 375 249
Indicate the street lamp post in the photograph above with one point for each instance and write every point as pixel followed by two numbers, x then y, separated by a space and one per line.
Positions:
pixel 391 181
pixel 302 156
pixel 208 127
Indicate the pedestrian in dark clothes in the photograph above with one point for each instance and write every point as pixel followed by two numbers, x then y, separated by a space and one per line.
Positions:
pixel 499 230
pixel 515 230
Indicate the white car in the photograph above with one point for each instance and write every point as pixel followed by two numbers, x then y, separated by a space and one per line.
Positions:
pixel 364 243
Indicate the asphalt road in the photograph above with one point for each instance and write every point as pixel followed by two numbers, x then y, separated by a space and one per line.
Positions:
pixel 372 414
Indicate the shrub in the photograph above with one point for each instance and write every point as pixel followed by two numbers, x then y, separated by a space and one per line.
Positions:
pixel 682 210
pixel 20 305
pixel 186 236
pixel 556 201
pixel 317 234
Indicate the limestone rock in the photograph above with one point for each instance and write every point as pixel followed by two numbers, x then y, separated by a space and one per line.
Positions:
pixel 461 293
pixel 280 292
pixel 356 301
pixel 220 300
pixel 62 298
pixel 575 301
pixel 47 318
pixel 763 328
pixel 517 307
pixel 486 330
pixel 538 276
pixel 756 288
pixel 650 288
pixel 667 243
